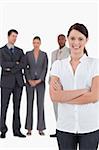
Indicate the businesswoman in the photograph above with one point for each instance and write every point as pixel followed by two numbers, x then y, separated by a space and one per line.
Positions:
pixel 37 64
pixel 75 86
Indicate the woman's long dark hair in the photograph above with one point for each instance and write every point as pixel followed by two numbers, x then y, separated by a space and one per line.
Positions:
pixel 81 28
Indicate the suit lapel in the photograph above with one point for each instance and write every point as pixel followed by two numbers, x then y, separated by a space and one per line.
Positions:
pixel 15 52
pixel 8 50
pixel 12 56
pixel 39 57
pixel 32 56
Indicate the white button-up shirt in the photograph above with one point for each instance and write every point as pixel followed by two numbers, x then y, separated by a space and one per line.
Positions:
pixel 77 118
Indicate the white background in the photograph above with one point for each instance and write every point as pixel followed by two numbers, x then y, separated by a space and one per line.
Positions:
pixel 47 20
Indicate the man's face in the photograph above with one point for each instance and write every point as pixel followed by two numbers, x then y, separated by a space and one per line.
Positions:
pixel 12 38
pixel 61 41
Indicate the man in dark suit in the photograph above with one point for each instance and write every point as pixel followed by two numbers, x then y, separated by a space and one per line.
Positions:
pixel 12 63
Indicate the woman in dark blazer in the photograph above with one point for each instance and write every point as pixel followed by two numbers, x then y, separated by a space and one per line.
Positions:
pixel 35 72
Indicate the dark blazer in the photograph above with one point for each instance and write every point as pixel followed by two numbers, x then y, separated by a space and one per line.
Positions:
pixel 40 67
pixel 11 71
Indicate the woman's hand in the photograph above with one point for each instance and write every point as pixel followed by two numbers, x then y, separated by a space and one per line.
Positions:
pixel 57 84
pixel 32 83
pixel 37 81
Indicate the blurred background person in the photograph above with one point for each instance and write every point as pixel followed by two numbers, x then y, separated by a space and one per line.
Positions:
pixel 61 53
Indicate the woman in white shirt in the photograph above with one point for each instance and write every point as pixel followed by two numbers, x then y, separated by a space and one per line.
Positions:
pixel 75 86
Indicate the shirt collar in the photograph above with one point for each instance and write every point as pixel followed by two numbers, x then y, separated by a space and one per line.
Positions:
pixel 10 46
pixel 81 59
pixel 62 49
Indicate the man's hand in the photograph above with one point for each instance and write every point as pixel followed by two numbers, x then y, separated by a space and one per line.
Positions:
pixel 17 62
pixel 7 69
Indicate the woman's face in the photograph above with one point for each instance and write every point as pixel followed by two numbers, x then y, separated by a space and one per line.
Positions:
pixel 36 44
pixel 77 42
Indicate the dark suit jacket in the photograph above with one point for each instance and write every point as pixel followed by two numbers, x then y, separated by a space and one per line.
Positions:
pixel 11 71
pixel 40 67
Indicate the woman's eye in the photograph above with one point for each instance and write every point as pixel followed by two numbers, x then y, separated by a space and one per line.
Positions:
pixel 72 38
pixel 80 39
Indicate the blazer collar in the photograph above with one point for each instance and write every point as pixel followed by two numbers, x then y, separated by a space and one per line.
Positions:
pixel 8 50
pixel 38 56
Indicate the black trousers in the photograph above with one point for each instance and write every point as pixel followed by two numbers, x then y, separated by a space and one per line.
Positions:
pixel 5 98
pixel 70 141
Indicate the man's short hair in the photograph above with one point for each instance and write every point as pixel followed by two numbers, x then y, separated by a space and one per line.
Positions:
pixel 12 30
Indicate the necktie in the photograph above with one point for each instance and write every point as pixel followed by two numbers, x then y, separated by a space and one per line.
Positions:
pixel 12 50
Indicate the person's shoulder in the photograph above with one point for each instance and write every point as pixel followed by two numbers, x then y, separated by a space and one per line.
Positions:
pixel 93 61
pixel 54 51
pixel 57 63
pixel 18 48
pixel 29 52
pixel 3 47
pixel 67 48
pixel 64 60
pixel 96 61
pixel 43 53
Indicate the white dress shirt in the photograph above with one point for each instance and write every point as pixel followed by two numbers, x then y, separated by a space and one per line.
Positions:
pixel 77 118
pixel 10 46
